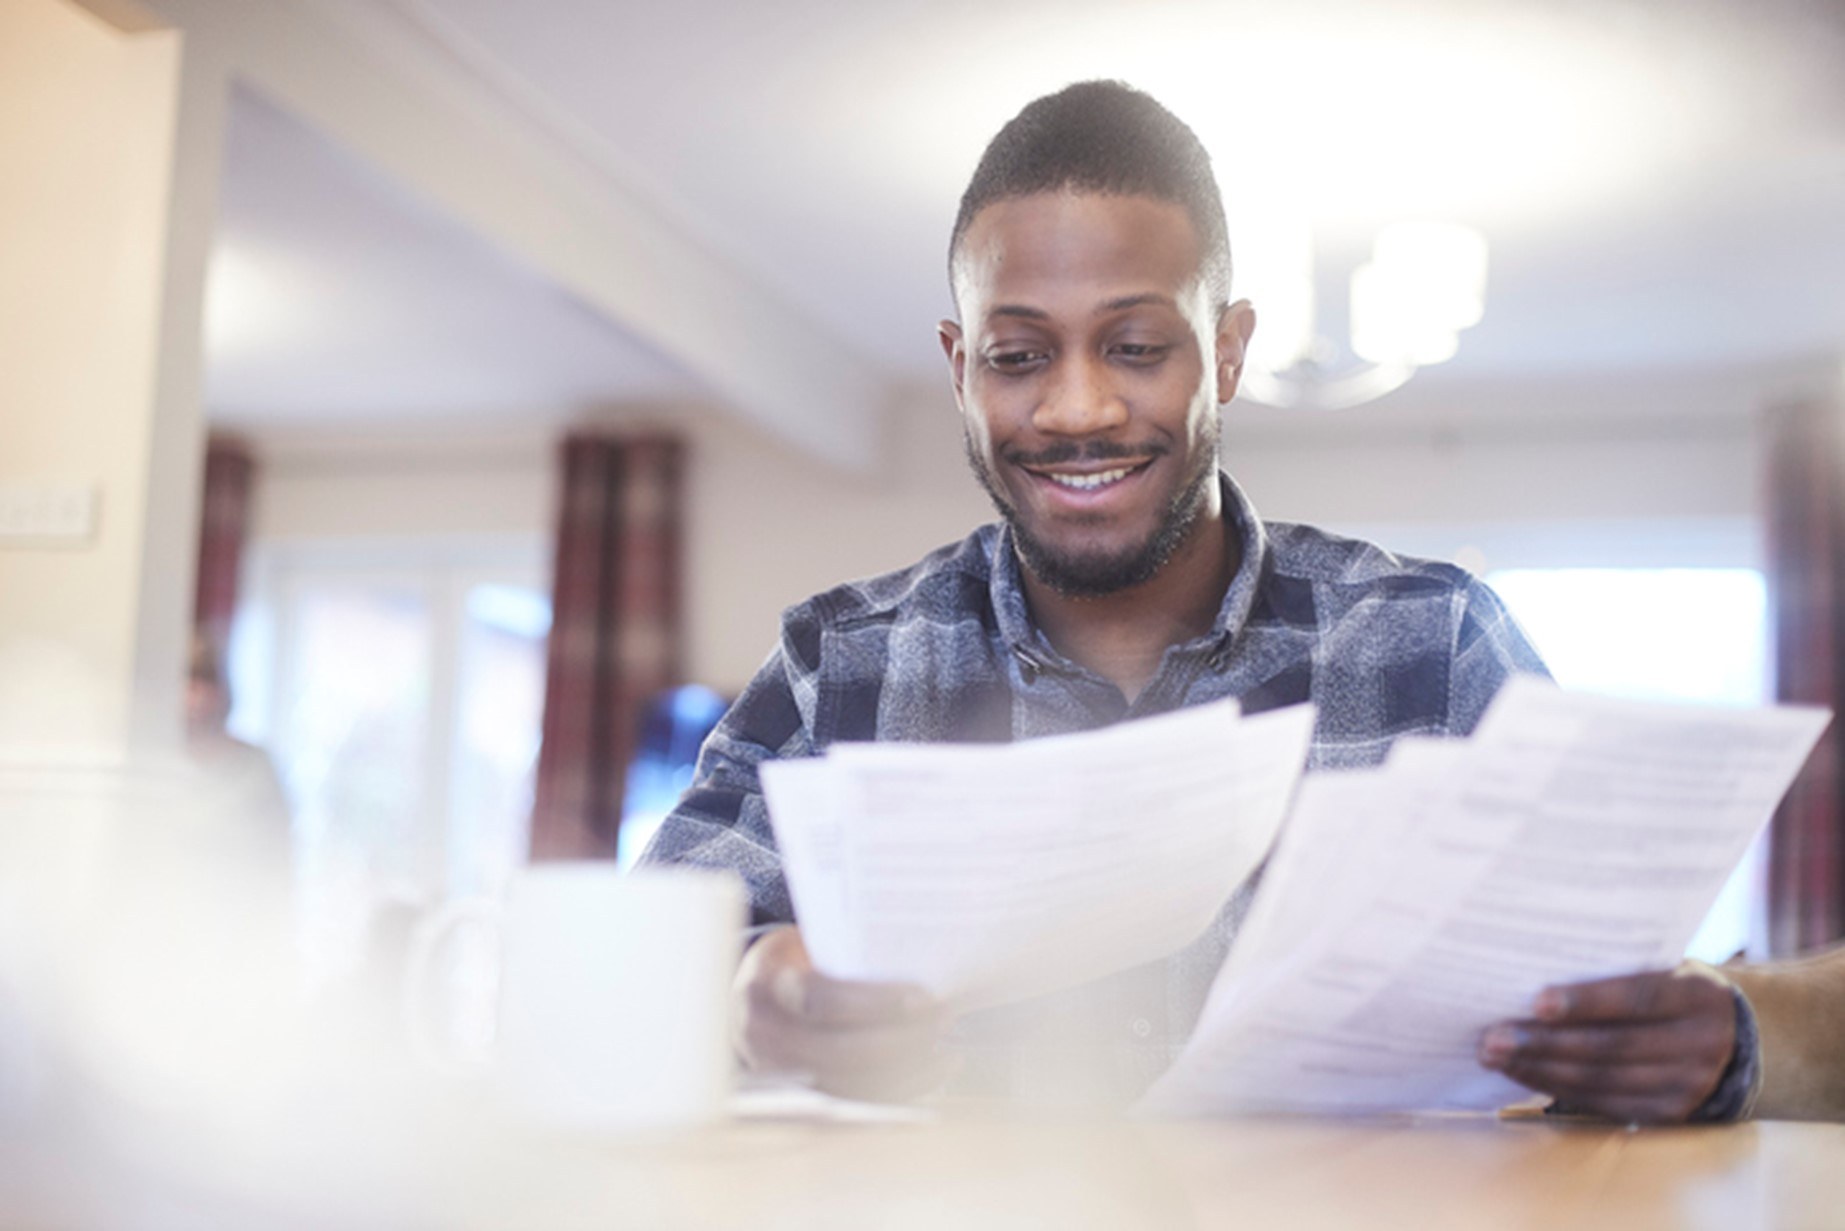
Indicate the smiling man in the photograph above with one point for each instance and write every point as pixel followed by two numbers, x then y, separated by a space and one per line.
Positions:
pixel 1095 344
pixel 1097 351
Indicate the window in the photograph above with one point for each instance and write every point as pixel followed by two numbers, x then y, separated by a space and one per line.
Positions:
pixel 672 732
pixel 400 691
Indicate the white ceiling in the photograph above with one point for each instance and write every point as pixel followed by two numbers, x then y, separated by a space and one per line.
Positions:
pixel 1662 181
pixel 336 297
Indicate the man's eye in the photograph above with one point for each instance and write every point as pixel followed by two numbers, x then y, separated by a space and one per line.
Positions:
pixel 1141 352
pixel 1014 360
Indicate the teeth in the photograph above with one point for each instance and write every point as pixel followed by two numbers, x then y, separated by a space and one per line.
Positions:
pixel 1088 482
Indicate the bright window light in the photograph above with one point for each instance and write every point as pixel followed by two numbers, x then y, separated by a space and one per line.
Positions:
pixel 1684 634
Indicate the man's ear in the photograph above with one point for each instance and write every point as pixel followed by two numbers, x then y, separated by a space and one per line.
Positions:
pixel 1235 325
pixel 950 334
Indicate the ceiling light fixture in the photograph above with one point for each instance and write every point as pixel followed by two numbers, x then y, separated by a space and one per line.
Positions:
pixel 1424 283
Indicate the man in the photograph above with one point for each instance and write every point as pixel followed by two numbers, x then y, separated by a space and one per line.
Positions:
pixel 1095 344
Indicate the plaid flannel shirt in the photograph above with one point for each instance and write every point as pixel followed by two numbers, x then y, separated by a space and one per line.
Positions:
pixel 1383 646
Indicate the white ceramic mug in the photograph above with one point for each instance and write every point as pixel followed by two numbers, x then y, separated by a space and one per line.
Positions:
pixel 614 993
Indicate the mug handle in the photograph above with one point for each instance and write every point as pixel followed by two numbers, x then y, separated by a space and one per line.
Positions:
pixel 418 978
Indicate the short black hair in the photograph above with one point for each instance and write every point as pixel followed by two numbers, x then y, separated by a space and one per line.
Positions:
pixel 1103 137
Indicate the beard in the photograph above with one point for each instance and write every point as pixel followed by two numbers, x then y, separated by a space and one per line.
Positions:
pixel 1092 574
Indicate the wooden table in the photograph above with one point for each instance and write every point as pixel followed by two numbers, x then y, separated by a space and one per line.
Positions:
pixel 970 1170
pixel 970 1173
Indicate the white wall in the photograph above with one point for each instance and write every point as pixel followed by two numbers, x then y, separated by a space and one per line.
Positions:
pixel 1616 471
pixel 1691 498
pixel 354 493
pixel 1661 480
pixel 87 148
pixel 1701 470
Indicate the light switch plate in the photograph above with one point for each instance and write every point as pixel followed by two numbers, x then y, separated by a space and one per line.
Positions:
pixel 62 513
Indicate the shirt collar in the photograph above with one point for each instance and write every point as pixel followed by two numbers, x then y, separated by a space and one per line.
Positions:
pixel 1008 590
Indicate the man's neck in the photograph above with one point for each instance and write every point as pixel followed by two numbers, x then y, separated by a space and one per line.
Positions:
pixel 1122 636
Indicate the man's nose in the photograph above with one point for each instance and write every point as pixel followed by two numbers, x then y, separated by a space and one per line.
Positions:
pixel 1079 399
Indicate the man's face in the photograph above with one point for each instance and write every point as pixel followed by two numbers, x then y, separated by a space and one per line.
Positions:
pixel 1089 364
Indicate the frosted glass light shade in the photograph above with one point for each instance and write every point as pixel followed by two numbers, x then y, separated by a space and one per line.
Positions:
pixel 1425 282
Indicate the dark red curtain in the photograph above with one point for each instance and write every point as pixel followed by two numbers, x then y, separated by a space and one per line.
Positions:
pixel 615 633
pixel 224 520
pixel 1806 569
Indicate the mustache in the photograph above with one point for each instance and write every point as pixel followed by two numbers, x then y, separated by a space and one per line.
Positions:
pixel 1068 451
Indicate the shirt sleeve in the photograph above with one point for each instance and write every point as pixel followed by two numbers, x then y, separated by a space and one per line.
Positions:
pixel 721 821
pixel 1489 648
pixel 1741 1082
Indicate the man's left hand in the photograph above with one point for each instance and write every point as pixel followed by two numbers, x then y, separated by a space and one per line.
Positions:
pixel 1645 1049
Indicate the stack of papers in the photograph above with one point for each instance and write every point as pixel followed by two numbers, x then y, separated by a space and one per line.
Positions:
pixel 1404 910
pixel 1408 908
pixel 996 872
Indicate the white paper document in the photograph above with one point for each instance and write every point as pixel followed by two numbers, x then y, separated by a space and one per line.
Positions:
pixel 993 873
pixel 1408 908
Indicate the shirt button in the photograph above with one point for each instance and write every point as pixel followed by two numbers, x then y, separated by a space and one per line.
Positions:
pixel 1028 666
pixel 1141 1027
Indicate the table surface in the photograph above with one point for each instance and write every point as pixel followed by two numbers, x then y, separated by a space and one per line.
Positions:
pixel 1426 1173
pixel 971 1169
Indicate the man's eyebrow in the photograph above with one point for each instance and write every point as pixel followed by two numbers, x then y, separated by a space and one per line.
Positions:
pixel 1121 304
pixel 1134 301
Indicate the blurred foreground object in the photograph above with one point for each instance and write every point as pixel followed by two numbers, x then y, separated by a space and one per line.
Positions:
pixel 155 1054
pixel 613 1004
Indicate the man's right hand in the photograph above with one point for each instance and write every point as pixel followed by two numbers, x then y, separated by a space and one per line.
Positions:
pixel 857 1040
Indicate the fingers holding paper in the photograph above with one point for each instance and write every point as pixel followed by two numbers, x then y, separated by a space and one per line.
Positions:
pixel 1647 1048
pixel 854 1039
